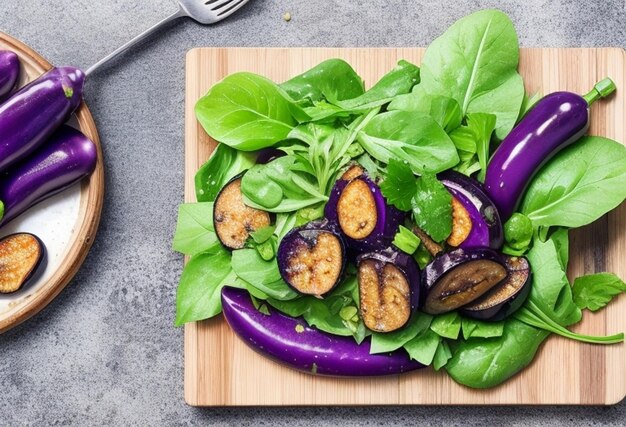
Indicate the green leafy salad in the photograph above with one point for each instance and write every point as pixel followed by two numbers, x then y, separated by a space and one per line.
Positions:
pixel 427 216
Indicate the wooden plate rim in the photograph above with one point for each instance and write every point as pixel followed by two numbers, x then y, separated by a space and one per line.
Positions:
pixel 92 199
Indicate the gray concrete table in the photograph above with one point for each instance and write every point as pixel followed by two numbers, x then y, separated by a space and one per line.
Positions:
pixel 105 351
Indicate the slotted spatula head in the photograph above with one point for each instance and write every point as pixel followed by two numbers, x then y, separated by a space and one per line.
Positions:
pixel 210 11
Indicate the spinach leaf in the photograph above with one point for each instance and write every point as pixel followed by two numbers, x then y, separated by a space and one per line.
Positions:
pixel 423 347
pixel 443 109
pixel 280 186
pixel 447 325
pixel 528 103
pixel 398 81
pixel 224 164
pixel 332 80
pixel 487 362
pixel 263 275
pixel 478 329
pixel 247 112
pixel 411 137
pixel 579 185
pixel 595 291
pixel 194 229
pixel 199 292
pixel 432 207
pixel 399 185
pixel 475 62
pixel 384 343
pixel 442 355
pixel 550 289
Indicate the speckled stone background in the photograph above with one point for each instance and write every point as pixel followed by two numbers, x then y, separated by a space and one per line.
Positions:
pixel 105 351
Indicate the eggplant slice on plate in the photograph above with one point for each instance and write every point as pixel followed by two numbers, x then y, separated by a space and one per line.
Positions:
pixel 232 219
pixel 312 258
pixel 22 259
pixel 389 285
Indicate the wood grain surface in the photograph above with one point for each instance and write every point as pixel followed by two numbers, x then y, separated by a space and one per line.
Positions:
pixel 92 197
pixel 220 370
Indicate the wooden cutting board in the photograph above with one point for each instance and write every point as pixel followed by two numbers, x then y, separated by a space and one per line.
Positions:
pixel 220 370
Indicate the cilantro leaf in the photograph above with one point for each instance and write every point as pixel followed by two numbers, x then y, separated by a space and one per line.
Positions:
pixel 432 207
pixel 399 185
pixel 594 291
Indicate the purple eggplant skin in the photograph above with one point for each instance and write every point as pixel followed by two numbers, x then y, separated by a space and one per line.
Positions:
pixel 32 114
pixel 487 230
pixel 290 341
pixel 388 217
pixel 66 158
pixel 405 264
pixel 266 155
pixel 557 120
pixel 518 268
pixel 445 264
pixel 307 237
pixel 9 72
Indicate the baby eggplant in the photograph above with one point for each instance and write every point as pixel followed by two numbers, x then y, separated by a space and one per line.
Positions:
pixel 361 213
pixel 312 258
pixel 22 260
pixel 66 158
pixel 389 289
pixel 476 222
pixel 291 342
pixel 457 278
pixel 9 72
pixel 556 121
pixel 33 113
pixel 505 298
pixel 232 219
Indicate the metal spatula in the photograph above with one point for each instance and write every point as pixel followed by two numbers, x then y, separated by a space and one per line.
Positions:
pixel 202 11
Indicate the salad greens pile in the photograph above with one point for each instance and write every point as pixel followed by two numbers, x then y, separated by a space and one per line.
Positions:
pixel 412 124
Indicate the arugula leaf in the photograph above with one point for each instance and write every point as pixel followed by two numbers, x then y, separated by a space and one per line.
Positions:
pixel 475 61
pixel 399 185
pixel 332 80
pixel 194 229
pixel 406 240
pixel 247 112
pixel 387 342
pixel 443 109
pixel 223 165
pixel 447 325
pixel 482 125
pixel 423 347
pixel 199 292
pixel 280 186
pixel 579 185
pixel 595 291
pixel 478 329
pixel 442 355
pixel 432 207
pixel 263 275
pixel 411 137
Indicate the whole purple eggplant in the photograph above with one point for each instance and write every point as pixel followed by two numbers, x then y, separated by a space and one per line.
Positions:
pixel 291 342
pixel 66 158
pixel 9 72
pixel 557 120
pixel 484 220
pixel 362 214
pixel 32 114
